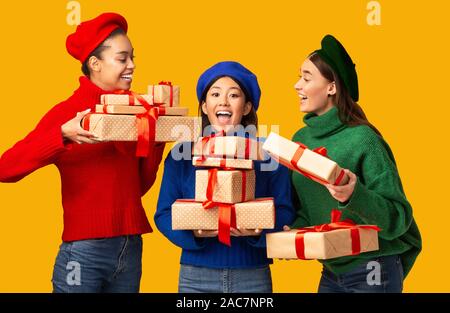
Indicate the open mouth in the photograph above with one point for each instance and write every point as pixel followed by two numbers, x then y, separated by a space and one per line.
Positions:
pixel 224 117
pixel 303 98
pixel 127 77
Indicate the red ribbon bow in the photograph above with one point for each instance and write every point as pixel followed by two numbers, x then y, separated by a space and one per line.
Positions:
pixel 336 223
pixel 146 122
pixel 163 83
pixel 320 150
pixel 227 217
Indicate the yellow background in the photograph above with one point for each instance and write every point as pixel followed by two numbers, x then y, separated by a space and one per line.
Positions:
pixel 403 75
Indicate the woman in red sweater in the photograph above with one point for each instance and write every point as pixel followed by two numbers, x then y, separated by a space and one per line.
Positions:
pixel 102 183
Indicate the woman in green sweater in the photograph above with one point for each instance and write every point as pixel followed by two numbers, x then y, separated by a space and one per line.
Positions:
pixel 328 91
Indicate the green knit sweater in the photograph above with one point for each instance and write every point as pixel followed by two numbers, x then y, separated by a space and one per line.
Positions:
pixel 378 197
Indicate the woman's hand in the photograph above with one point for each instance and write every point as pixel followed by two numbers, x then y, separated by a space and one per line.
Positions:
pixel 344 192
pixel 72 130
pixel 205 233
pixel 244 232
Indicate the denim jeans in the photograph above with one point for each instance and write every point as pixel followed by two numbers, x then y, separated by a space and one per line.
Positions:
pixel 202 279
pixel 380 275
pixel 99 265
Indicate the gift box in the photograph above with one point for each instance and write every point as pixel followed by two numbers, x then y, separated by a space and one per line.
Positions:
pixel 326 241
pixel 221 163
pixel 229 147
pixel 125 99
pixel 129 109
pixel 125 127
pixel 225 186
pixel 312 164
pixel 164 93
pixel 255 214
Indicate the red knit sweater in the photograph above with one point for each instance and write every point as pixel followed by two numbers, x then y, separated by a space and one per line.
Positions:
pixel 102 184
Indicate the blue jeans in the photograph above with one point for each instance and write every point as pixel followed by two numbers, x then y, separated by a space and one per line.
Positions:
pixel 380 275
pixel 202 279
pixel 99 265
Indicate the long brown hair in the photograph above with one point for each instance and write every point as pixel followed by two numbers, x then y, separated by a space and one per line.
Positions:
pixel 349 111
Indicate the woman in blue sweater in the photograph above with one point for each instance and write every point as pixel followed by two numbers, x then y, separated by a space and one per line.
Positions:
pixel 228 95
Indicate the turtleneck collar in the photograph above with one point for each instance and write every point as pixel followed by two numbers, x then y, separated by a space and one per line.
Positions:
pixel 90 90
pixel 325 124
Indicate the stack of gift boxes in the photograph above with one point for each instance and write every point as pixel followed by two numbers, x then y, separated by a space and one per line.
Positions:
pixel 224 189
pixel 156 116
pixel 335 239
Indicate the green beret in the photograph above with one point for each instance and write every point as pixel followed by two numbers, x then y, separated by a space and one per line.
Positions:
pixel 334 54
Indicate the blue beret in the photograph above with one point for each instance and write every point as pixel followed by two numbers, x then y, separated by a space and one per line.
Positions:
pixel 237 72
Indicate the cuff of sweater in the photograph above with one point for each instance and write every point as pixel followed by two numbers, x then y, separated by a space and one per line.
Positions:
pixel 358 202
pixel 53 143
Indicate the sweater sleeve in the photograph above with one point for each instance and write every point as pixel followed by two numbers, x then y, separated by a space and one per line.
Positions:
pixel 171 190
pixel 378 197
pixel 38 149
pixel 149 167
pixel 279 187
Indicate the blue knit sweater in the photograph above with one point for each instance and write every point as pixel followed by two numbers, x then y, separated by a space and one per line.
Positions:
pixel 245 252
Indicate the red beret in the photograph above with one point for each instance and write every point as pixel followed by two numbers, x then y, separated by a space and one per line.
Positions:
pixel 90 34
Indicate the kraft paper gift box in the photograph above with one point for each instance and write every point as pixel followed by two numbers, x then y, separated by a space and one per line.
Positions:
pixel 132 109
pixel 219 162
pixel 326 245
pixel 232 186
pixel 229 147
pixel 308 162
pixel 124 127
pixel 327 241
pixel 115 99
pixel 190 215
pixel 164 93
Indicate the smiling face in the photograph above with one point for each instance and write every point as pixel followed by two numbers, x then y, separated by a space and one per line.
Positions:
pixel 114 70
pixel 315 91
pixel 225 104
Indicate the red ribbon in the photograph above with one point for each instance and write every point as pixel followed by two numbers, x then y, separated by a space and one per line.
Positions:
pixel 212 182
pixel 211 149
pixel 227 217
pixel 162 83
pixel 146 122
pixel 227 213
pixel 204 141
pixel 297 155
pixel 335 224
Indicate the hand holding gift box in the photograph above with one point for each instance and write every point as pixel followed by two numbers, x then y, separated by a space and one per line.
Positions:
pixel 326 241
pixel 312 163
pixel 126 127
pixel 221 146
pixel 192 215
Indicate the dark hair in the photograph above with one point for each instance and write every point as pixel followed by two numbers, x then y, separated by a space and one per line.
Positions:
pixel 349 111
pixel 99 50
pixel 250 119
